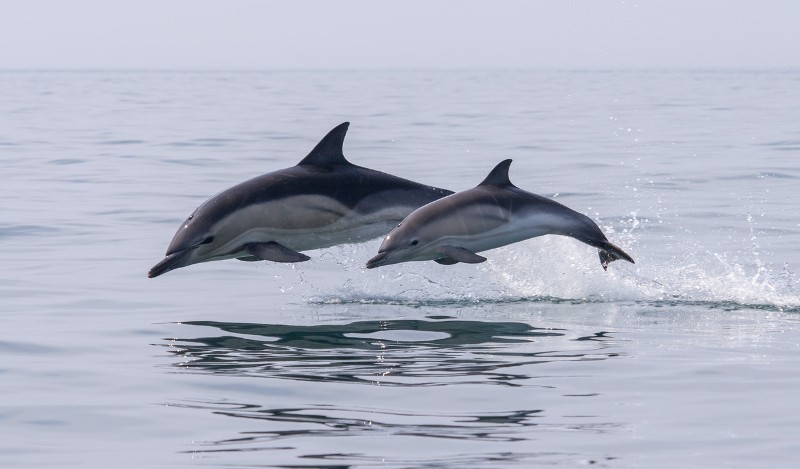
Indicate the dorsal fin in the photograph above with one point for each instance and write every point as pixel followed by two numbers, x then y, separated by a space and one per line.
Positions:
pixel 498 176
pixel 329 149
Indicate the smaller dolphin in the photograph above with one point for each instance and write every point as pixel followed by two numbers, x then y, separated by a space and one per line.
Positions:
pixel 493 214
pixel 323 201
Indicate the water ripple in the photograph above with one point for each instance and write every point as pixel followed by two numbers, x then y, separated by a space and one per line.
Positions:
pixel 122 142
pixel 392 353
pixel 784 145
pixel 204 142
pixel 67 161
pixel 330 420
pixel 11 231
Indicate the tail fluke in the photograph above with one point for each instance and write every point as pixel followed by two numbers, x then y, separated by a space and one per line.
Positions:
pixel 610 253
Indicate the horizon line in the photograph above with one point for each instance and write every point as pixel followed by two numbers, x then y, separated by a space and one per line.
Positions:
pixel 738 68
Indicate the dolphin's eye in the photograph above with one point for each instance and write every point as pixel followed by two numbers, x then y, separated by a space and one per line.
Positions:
pixel 208 240
pixel 415 242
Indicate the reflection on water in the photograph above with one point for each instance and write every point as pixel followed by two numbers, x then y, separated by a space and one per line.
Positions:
pixel 284 426
pixel 420 367
pixel 329 420
pixel 388 352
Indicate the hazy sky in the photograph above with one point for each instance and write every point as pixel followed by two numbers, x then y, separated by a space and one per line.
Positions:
pixel 335 34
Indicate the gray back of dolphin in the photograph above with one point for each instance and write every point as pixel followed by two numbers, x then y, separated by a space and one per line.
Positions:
pixel 322 201
pixel 493 214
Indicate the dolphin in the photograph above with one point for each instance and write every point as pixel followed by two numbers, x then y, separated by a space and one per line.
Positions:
pixel 323 201
pixel 493 214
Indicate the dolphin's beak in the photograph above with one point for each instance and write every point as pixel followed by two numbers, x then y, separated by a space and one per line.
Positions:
pixel 379 260
pixel 171 262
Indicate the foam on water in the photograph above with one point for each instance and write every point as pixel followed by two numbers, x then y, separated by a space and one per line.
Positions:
pixel 560 269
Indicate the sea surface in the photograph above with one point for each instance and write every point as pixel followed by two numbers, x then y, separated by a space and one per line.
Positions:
pixel 689 358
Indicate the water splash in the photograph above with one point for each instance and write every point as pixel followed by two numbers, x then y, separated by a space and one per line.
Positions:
pixel 555 269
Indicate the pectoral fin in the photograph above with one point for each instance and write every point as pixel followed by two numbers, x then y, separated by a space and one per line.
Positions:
pixel 275 252
pixel 458 254
pixel 446 261
pixel 248 259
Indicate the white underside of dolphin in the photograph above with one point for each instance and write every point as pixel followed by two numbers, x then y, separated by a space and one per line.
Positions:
pixel 493 214
pixel 323 201
pixel 252 225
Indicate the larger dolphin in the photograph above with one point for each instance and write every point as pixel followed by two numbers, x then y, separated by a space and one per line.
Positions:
pixel 493 214
pixel 322 201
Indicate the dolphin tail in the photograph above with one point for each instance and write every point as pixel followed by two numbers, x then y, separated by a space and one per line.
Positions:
pixel 610 253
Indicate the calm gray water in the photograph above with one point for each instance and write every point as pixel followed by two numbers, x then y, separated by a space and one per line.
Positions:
pixel 688 358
